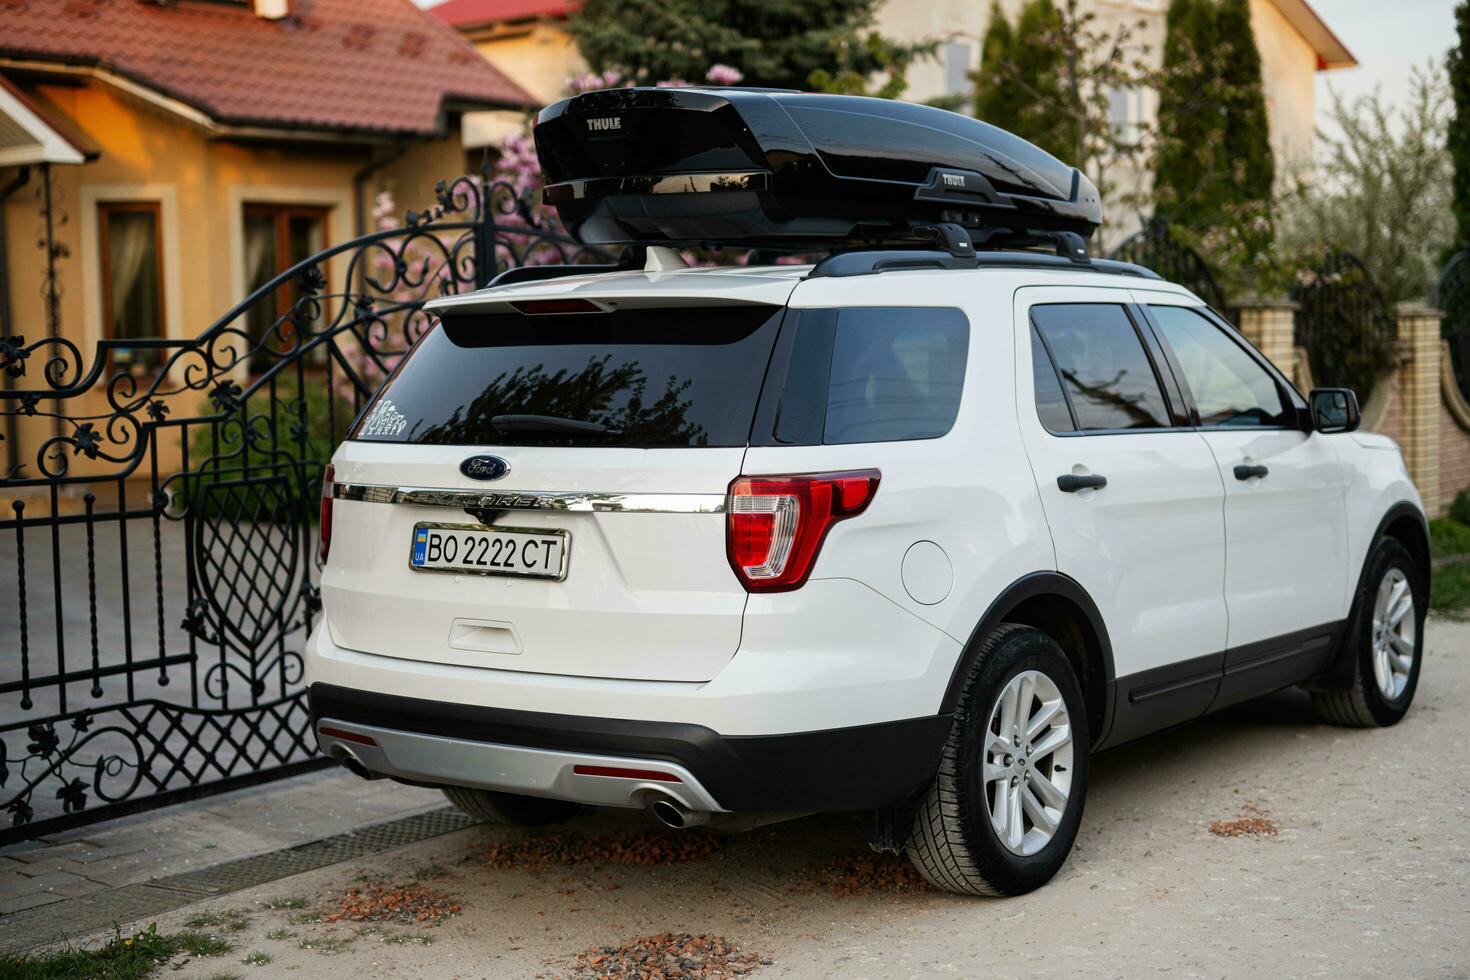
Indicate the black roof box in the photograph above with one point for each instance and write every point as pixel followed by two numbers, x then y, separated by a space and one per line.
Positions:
pixel 774 168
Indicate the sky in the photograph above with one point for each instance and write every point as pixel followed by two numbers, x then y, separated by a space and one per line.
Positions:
pixel 1388 37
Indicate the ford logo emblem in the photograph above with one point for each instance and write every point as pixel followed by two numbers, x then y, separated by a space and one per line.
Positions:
pixel 484 467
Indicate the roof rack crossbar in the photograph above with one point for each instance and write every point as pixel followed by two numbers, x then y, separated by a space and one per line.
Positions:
pixel 874 261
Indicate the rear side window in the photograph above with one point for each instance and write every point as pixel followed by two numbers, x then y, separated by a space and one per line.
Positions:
pixel 865 374
pixel 646 378
pixel 1105 374
pixel 1051 404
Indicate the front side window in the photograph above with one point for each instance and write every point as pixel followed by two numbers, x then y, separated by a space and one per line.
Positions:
pixel 132 277
pixel 1230 388
pixel 1105 374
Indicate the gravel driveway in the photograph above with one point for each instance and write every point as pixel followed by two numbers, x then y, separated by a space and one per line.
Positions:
pixel 1366 875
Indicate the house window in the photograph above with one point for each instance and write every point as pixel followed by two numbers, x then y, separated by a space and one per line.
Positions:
pixel 277 236
pixel 957 67
pixel 132 277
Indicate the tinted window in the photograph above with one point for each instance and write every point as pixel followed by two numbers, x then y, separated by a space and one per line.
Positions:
pixel 1051 404
pixel 658 377
pixel 896 374
pixel 1229 387
pixel 1108 378
pixel 865 375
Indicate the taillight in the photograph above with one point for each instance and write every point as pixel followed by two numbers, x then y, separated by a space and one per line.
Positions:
pixel 328 477
pixel 775 525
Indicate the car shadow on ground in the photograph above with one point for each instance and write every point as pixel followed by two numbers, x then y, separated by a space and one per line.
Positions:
pixel 599 854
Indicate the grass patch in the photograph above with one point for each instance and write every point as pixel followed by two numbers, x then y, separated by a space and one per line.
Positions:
pixel 281 902
pixel 326 945
pixel 1448 537
pixel 203 944
pixel 409 939
pixel 235 920
pixel 1449 594
pixel 121 958
pixel 280 933
pixel 257 958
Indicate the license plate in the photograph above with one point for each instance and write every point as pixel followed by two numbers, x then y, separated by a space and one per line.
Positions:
pixel 476 550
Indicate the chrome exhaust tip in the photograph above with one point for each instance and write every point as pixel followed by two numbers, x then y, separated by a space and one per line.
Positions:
pixel 671 813
pixel 351 764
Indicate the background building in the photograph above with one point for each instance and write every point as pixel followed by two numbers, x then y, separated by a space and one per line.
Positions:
pixel 171 157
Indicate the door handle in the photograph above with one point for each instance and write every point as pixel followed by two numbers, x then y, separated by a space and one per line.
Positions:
pixel 1244 472
pixel 1071 483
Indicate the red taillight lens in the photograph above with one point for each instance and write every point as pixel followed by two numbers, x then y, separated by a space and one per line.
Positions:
pixel 328 485
pixel 775 525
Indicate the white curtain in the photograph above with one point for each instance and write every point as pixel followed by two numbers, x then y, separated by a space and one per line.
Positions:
pixel 132 241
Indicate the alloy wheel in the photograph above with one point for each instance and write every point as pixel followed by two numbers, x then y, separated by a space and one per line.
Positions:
pixel 1028 762
pixel 1395 628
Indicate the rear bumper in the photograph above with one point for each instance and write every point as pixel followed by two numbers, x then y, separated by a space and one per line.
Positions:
pixel 535 753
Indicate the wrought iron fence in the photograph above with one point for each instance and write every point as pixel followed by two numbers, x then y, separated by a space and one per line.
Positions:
pixel 1349 331
pixel 156 545
pixel 1157 247
pixel 1452 295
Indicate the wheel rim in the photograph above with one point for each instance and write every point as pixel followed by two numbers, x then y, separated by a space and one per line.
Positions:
pixel 1028 762
pixel 1395 626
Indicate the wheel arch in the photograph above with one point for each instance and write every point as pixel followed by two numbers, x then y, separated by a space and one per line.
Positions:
pixel 1056 604
pixel 1406 523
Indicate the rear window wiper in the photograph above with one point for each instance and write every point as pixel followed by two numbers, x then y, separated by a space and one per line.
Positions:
pixel 551 423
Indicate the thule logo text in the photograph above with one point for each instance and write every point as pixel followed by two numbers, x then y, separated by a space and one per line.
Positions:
pixel 605 124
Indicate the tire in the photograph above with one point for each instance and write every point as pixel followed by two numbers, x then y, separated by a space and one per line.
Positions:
pixel 1371 702
pixel 954 842
pixel 508 809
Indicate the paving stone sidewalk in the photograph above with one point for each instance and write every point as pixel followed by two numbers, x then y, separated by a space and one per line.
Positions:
pixel 198 834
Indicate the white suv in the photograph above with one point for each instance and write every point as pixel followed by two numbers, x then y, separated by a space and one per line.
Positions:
pixel 893 534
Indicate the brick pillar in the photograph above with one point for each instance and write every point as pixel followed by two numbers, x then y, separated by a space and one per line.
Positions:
pixel 1270 324
pixel 1419 332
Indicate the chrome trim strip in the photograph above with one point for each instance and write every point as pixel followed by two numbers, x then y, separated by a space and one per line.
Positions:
pixel 510 768
pixel 566 501
pixel 560 575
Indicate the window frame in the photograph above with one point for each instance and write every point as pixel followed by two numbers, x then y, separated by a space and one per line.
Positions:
pixel 1175 403
pixel 104 211
pixel 1293 404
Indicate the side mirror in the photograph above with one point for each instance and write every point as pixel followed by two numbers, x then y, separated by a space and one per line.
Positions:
pixel 1335 410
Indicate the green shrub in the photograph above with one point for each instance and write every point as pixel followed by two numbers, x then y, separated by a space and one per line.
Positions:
pixel 1460 509
pixel 1448 537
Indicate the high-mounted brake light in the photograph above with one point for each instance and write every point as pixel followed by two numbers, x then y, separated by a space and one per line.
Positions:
pixel 535 306
pixel 775 525
pixel 328 485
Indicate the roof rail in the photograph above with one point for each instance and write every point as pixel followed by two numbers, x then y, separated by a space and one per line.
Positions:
pixel 871 262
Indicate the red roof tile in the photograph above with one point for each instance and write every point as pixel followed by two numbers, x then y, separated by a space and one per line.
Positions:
pixel 378 66
pixel 470 13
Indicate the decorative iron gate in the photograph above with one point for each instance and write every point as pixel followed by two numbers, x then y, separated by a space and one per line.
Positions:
pixel 1452 295
pixel 1156 247
pixel 1344 323
pixel 157 553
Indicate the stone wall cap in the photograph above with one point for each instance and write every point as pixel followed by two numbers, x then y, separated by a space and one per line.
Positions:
pixel 1267 303
pixel 1415 308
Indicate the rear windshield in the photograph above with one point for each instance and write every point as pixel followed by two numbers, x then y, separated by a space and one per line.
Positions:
pixel 645 378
